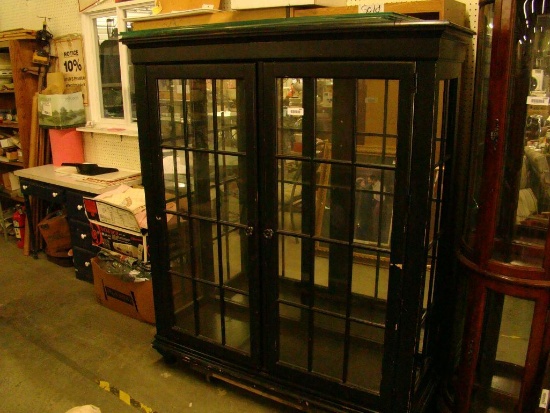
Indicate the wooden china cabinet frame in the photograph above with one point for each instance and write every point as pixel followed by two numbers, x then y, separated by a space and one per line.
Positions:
pixel 503 258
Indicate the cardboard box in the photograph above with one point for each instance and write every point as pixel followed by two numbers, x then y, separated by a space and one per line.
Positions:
pixel 115 227
pixel 6 143
pixel 169 6
pixel 168 20
pixel 107 213
pixel 61 111
pixel 11 155
pixel 134 299
pixel 326 11
pixel 133 244
pixel 11 182
pixel 451 10
pixel 253 4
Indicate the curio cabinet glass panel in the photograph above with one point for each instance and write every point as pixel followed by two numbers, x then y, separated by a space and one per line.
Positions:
pixel 299 184
pixel 504 254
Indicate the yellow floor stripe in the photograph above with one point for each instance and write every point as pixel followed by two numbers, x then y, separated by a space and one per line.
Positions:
pixel 125 397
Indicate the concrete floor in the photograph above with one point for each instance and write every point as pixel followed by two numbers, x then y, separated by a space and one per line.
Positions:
pixel 57 343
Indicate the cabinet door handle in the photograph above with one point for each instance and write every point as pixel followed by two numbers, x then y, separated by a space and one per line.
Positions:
pixel 79 207
pixel 268 233
pixel 494 134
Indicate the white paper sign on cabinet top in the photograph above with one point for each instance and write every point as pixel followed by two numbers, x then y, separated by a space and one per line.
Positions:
pixel 370 7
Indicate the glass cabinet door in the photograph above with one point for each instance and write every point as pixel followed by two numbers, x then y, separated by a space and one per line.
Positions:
pixel 335 197
pixel 207 198
pixel 522 231
pixel 509 224
pixel 483 71
pixel 337 143
pixel 278 247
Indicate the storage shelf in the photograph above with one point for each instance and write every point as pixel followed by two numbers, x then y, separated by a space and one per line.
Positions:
pixel 14 196
pixel 19 45
pixel 6 161
pixel 11 125
pixel 109 131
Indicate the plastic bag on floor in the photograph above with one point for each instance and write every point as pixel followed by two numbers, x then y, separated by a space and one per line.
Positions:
pixel 84 409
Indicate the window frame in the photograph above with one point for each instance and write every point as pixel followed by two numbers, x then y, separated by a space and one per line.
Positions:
pixel 96 119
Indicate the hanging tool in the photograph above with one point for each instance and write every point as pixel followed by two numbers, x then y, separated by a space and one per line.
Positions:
pixel 41 55
pixel 30 70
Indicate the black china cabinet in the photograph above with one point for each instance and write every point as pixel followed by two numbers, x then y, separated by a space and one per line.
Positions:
pixel 299 185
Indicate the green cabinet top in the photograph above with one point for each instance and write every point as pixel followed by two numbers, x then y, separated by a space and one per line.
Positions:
pixel 288 26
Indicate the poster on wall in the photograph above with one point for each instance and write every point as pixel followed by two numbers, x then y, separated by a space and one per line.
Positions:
pixel 70 62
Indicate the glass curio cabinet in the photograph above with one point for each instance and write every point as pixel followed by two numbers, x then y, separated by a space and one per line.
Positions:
pixel 504 253
pixel 299 178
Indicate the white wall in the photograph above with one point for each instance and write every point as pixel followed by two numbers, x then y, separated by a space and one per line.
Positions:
pixel 64 18
pixel 63 15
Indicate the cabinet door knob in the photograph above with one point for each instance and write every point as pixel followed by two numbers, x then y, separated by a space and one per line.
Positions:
pixel 25 186
pixel 87 264
pixel 79 207
pixel 54 194
pixel 83 236
pixel 268 233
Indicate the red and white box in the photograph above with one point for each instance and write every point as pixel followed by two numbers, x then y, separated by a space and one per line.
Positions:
pixel 119 227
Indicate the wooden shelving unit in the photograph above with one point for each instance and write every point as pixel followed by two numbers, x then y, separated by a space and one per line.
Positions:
pixel 20 46
pixel 9 125
pixel 6 161
pixel 13 196
pixel 25 86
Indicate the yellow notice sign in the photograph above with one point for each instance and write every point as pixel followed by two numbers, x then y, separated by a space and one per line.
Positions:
pixel 70 62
